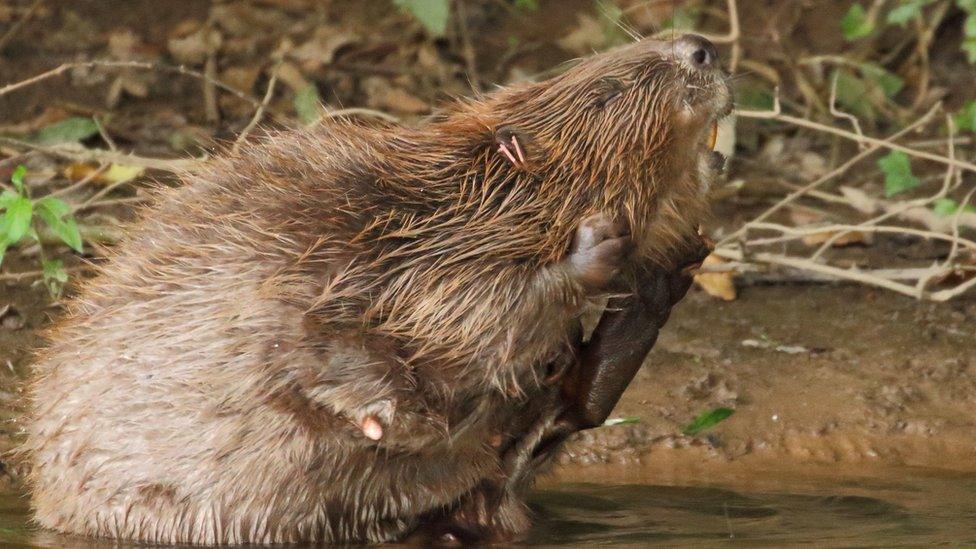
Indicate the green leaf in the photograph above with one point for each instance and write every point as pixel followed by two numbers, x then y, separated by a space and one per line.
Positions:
pixel 855 24
pixel 610 422
pixel 6 198
pixel 889 83
pixel 908 10
pixel 54 270
pixel 55 214
pixel 70 130
pixel 3 249
pixel 707 420
pixel 683 19
pixel 308 104
pixel 898 174
pixel 16 220
pixel 853 94
pixel 966 119
pixel 947 206
pixel 967 5
pixel 54 276
pixel 17 178
pixel 969 46
pixel 969 26
pixel 432 14
pixel 531 5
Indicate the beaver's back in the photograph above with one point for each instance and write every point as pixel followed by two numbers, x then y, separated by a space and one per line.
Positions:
pixel 164 404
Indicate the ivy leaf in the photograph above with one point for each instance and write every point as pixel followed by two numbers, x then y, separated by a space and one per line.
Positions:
pixel 16 220
pixel 6 198
pixel 966 119
pixel 898 174
pixel 54 276
pixel 889 83
pixel 855 24
pixel 909 10
pixel 55 214
pixel 707 420
pixel 308 104
pixel 852 94
pixel 946 207
pixel 432 14
pixel 17 178
pixel 70 130
pixel 969 46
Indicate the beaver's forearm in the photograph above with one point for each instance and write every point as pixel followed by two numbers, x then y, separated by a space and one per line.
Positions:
pixel 621 341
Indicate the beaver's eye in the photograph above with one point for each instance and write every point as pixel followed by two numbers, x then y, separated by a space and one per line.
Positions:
pixel 608 90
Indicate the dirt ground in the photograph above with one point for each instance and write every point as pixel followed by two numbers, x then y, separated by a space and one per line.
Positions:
pixel 816 373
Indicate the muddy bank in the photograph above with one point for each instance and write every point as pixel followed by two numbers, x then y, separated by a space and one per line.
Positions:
pixel 817 374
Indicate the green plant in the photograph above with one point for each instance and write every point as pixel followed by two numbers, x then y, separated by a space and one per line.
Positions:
pixel 859 23
pixel 965 120
pixel 432 14
pixel 897 169
pixel 707 420
pixel 22 220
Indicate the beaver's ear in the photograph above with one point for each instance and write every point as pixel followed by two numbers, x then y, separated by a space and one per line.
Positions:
pixel 512 144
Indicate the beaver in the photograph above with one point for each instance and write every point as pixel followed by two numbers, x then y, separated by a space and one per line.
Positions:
pixel 346 332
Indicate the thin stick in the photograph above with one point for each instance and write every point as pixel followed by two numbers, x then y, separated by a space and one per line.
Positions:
pixel 103 156
pixel 259 113
pixel 828 176
pixel 9 35
pixel 863 139
pixel 179 69
pixel 467 48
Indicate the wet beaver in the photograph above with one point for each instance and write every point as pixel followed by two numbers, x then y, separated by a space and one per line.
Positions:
pixel 348 332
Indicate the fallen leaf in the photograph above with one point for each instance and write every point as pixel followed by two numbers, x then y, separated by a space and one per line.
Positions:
pixel 850 238
pixel 321 49
pixel 116 173
pixel 586 37
pixel 69 130
pixel 381 95
pixel 717 284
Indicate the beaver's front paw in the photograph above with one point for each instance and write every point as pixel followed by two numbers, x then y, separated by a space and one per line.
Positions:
pixel 599 249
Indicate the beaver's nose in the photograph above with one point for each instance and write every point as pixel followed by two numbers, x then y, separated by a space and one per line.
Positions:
pixel 697 51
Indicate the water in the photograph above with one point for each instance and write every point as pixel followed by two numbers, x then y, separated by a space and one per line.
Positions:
pixel 905 511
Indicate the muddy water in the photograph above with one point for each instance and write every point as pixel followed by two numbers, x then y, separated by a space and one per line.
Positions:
pixel 911 512
pixel 909 508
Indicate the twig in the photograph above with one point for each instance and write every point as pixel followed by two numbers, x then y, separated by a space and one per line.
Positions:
pixel 467 48
pixel 354 111
pixel 863 139
pixel 81 182
pixel 103 156
pixel 259 113
pixel 731 37
pixel 179 69
pixel 27 275
pixel 211 109
pixel 828 176
pixel 15 28
pixel 857 275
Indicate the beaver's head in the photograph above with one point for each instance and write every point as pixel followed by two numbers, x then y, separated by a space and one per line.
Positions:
pixel 630 130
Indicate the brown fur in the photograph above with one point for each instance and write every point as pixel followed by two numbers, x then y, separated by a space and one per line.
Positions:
pixel 201 388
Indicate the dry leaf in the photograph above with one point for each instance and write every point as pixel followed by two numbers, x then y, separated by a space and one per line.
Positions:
pixel 717 284
pixel 116 173
pixel 321 49
pixel 381 95
pixel 852 238
pixel 586 37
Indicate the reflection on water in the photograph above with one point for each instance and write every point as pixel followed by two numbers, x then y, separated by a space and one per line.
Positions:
pixel 909 512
